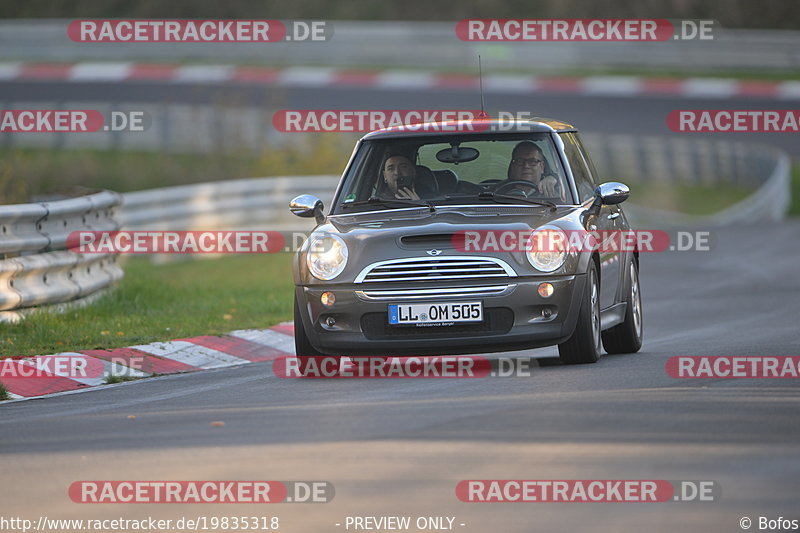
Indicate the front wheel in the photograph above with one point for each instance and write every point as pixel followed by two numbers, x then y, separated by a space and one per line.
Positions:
pixel 309 359
pixel 584 344
pixel 627 337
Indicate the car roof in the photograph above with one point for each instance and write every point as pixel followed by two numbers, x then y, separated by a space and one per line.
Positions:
pixel 479 126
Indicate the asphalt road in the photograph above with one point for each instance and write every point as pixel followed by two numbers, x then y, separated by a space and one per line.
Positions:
pixel 639 114
pixel 398 447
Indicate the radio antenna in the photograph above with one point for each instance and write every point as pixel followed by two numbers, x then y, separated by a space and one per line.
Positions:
pixel 480 81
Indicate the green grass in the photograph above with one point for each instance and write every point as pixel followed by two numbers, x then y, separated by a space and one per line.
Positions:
pixel 689 199
pixel 153 303
pixel 656 72
pixel 28 172
pixel 794 207
pixel 3 393
pixel 110 380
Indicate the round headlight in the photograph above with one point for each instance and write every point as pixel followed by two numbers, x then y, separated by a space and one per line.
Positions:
pixel 547 248
pixel 326 256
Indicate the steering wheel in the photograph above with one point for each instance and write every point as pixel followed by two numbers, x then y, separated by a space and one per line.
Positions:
pixel 515 183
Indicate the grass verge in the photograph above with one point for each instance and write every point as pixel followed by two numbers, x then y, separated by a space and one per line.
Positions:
pixel 110 380
pixel 29 172
pixel 3 393
pixel 794 207
pixel 690 199
pixel 156 303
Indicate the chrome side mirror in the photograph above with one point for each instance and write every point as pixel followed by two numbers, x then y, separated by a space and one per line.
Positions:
pixel 307 206
pixel 611 193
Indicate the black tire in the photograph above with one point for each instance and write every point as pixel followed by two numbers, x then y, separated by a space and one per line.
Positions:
pixel 584 344
pixel 627 337
pixel 308 357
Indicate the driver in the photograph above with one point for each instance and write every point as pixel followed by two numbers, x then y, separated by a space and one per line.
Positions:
pixel 399 175
pixel 528 164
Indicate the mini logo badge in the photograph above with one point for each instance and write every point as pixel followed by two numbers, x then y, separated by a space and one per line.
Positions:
pixel 434 252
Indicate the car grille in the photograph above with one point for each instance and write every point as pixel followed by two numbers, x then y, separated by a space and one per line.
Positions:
pixel 446 268
pixel 496 321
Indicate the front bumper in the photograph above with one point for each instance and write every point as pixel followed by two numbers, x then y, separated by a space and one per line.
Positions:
pixel 513 319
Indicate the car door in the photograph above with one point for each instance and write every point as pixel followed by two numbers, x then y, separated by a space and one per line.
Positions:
pixel 606 223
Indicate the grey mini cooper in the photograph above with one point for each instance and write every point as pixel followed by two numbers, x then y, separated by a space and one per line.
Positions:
pixel 434 246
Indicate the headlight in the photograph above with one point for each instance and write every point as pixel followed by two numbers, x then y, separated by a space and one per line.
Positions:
pixel 547 248
pixel 326 257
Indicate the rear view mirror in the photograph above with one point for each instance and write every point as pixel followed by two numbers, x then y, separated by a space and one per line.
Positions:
pixel 457 154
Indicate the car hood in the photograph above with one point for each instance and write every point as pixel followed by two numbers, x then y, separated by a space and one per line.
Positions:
pixel 416 223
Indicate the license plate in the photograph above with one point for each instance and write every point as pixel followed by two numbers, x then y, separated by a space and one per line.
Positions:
pixel 435 313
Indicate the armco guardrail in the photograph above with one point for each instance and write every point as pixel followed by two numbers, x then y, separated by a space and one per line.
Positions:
pixel 677 160
pixel 253 203
pixel 262 203
pixel 36 269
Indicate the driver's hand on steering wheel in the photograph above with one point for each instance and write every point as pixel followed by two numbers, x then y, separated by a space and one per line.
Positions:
pixel 548 186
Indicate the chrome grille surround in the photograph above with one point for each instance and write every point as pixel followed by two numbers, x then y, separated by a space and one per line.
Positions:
pixel 439 268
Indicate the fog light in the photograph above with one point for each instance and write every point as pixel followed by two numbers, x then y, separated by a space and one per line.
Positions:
pixel 546 290
pixel 546 313
pixel 330 321
pixel 328 299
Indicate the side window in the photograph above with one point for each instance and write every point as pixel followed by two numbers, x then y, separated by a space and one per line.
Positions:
pixel 580 171
pixel 587 158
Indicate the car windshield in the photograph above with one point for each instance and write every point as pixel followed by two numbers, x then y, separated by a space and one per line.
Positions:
pixel 434 171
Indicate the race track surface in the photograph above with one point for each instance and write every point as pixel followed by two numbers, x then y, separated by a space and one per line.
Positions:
pixel 399 447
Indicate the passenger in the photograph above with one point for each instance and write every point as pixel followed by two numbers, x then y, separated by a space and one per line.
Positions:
pixel 399 175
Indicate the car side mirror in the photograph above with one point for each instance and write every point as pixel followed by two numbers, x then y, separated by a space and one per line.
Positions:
pixel 307 206
pixel 611 193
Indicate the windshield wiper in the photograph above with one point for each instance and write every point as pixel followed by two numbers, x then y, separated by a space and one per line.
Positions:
pixel 386 202
pixel 500 198
pixel 489 195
